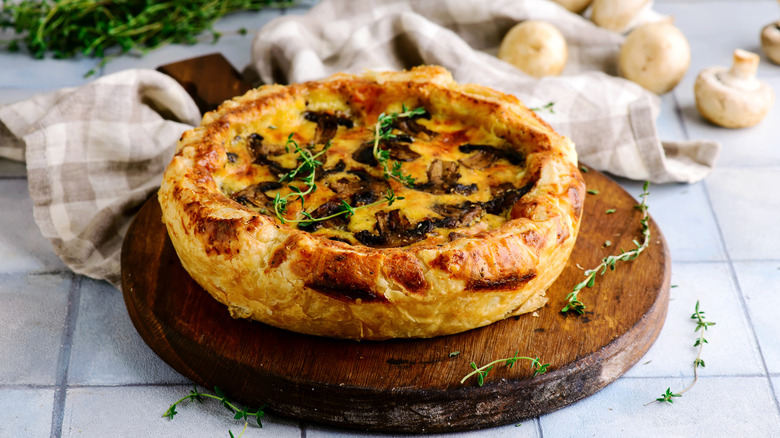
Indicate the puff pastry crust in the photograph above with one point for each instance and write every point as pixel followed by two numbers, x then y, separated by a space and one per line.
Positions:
pixel 483 231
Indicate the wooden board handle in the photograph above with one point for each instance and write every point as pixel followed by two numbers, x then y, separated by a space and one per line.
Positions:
pixel 209 80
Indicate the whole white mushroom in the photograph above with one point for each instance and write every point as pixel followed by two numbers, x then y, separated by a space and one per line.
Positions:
pixel 617 15
pixel 734 98
pixel 535 47
pixel 655 56
pixel 770 41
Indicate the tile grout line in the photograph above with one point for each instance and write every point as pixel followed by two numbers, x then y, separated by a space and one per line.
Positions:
pixel 63 361
pixel 741 298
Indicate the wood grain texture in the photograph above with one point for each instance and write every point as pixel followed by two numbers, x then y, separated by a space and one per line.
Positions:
pixel 209 79
pixel 412 385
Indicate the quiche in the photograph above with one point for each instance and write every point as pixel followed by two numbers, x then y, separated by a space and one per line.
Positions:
pixel 382 205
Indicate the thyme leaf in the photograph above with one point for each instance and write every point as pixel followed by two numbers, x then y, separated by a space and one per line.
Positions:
pixel 383 130
pixel 667 396
pixel 306 172
pixel 548 107
pixel 237 412
pixel 610 262
pixel 701 327
pixel 482 372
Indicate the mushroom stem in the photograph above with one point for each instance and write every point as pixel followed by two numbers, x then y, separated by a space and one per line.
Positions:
pixel 745 64
pixel 742 74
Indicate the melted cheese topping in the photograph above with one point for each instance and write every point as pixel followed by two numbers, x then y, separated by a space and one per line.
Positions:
pixel 459 170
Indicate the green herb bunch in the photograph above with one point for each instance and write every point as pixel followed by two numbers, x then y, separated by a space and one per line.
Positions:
pixel 104 28
pixel 577 306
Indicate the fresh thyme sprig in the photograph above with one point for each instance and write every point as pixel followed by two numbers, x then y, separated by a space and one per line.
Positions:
pixel 482 372
pixel 548 107
pixel 308 168
pixel 107 28
pixel 383 130
pixel 701 327
pixel 346 209
pixel 577 306
pixel 238 413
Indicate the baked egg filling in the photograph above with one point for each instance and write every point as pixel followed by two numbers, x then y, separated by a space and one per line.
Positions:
pixel 408 176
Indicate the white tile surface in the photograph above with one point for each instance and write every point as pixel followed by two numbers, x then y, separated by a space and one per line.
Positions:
pixel 106 347
pixel 759 284
pixel 683 213
pixel 32 319
pixel 776 386
pixel 22 247
pixel 13 94
pixel 25 412
pixel 54 73
pixel 673 353
pixel 622 409
pixel 746 203
pixel 141 408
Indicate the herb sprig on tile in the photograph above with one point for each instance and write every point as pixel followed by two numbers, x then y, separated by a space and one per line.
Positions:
pixel 701 327
pixel 609 262
pixel 237 412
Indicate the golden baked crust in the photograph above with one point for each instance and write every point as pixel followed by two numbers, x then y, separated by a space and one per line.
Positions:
pixel 484 229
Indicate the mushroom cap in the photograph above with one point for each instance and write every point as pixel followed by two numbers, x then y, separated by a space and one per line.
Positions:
pixel 576 6
pixel 770 41
pixel 616 15
pixel 733 98
pixel 535 47
pixel 655 56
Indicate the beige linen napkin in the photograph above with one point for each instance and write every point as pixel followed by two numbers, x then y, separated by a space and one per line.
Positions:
pixel 611 120
pixel 95 153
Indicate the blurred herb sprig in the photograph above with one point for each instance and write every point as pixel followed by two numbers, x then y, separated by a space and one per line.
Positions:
pixel 104 29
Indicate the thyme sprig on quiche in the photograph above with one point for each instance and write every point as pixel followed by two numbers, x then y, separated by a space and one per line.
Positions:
pixel 384 131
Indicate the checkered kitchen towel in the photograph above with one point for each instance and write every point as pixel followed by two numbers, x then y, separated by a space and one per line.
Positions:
pixel 96 152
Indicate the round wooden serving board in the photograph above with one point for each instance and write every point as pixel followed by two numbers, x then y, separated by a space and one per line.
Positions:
pixel 412 385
